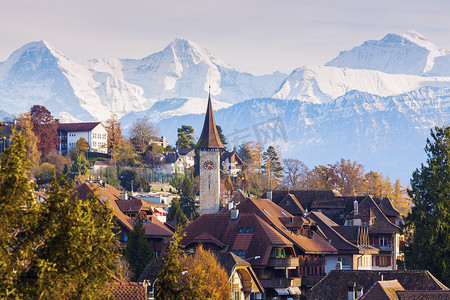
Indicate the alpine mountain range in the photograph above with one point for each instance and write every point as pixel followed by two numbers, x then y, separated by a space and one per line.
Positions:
pixel 374 103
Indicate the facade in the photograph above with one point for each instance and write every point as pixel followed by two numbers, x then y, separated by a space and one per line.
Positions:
pixel 292 253
pixel 352 215
pixel 209 146
pixel 93 132
pixel 157 232
pixel 231 163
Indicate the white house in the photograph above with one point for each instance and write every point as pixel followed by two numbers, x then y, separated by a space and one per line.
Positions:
pixel 93 132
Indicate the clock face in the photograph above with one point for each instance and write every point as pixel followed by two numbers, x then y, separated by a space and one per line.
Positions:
pixel 208 165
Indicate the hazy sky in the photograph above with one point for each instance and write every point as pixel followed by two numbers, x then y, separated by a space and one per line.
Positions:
pixel 257 36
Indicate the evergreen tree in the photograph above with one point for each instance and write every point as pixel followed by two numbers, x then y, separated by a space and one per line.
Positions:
pixel 138 251
pixel 79 167
pixel 18 210
pixel 429 220
pixel 168 286
pixel 187 199
pixel 185 137
pixel 222 137
pixel 272 166
pixel 176 214
pixel 75 258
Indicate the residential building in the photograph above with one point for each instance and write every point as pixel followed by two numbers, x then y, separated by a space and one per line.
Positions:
pixel 351 284
pixel 351 215
pixel 100 166
pixel 292 252
pixel 94 133
pixel 157 232
pixel 231 163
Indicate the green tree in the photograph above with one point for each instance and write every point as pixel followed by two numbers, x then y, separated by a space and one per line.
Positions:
pixel 272 167
pixel 429 219
pixel 79 167
pixel 176 214
pixel 138 251
pixel 18 211
pixel 222 137
pixel 185 137
pixel 187 199
pixel 168 285
pixel 130 179
pixel 76 257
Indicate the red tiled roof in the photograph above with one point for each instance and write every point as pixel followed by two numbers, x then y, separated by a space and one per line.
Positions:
pixel 85 126
pixel 383 290
pixel 292 205
pixel 127 291
pixel 154 227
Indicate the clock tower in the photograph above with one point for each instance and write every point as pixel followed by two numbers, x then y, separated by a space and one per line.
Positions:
pixel 209 146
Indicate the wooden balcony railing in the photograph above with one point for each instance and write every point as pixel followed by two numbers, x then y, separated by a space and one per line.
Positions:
pixel 283 262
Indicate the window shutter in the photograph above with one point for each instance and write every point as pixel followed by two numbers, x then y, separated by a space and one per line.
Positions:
pixel 377 260
pixel 388 260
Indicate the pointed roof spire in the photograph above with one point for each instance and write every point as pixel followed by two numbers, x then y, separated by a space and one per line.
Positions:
pixel 209 139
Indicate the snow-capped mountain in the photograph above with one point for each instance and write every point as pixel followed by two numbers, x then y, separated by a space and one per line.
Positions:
pixel 408 53
pixel 186 69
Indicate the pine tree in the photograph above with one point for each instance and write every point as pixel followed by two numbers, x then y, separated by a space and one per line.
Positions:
pixel 138 251
pixel 272 166
pixel 168 286
pixel 176 214
pixel 18 210
pixel 429 219
pixel 185 137
pixel 187 199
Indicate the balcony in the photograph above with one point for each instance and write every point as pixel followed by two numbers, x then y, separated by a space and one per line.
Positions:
pixel 283 262
pixel 281 282
pixel 385 248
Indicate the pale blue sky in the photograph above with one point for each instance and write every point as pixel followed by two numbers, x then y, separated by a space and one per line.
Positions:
pixel 257 36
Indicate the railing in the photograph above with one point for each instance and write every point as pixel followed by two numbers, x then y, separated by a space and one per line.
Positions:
pixel 385 248
pixel 283 262
pixel 281 282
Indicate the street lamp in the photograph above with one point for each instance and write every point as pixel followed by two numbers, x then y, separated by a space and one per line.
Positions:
pixel 154 282
pixel 232 270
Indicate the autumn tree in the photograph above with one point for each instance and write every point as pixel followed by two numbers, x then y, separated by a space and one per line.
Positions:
pixel 347 177
pixel 126 153
pixel 142 131
pixel 176 214
pixel 58 160
pixel 205 269
pixel 114 136
pixel 429 220
pixel 26 126
pixel 138 251
pixel 45 128
pixel 272 167
pixel 295 173
pixel 229 185
pixel 185 137
pixel 45 173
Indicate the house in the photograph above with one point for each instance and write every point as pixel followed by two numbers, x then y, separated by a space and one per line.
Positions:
pixel 351 284
pixel 351 214
pixel 94 133
pixel 178 161
pixel 231 163
pixel 243 279
pixel 156 231
pixel 160 141
pixel 291 252
pixel 127 290
pixel 355 255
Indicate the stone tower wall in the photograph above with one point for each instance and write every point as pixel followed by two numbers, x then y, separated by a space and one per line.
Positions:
pixel 209 182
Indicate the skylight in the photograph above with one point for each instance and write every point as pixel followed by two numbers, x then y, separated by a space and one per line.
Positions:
pixel 283 213
pixel 266 212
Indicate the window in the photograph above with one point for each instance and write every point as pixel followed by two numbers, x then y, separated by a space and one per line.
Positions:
pixel 385 261
pixel 288 202
pixel 246 230
pixel 239 252
pixel 278 252
pixel 349 222
pixel 384 241
pixel 282 212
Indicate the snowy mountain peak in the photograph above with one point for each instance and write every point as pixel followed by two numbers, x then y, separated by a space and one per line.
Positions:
pixel 407 53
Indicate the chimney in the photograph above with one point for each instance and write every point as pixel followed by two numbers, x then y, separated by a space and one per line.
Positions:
pixel 355 207
pixel 230 205
pixel 234 214
pixel 351 291
pixel 124 196
pixel 269 195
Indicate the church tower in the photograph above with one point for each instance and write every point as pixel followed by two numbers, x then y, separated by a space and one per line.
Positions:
pixel 209 146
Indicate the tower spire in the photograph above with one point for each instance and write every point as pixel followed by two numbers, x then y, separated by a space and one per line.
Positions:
pixel 209 139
